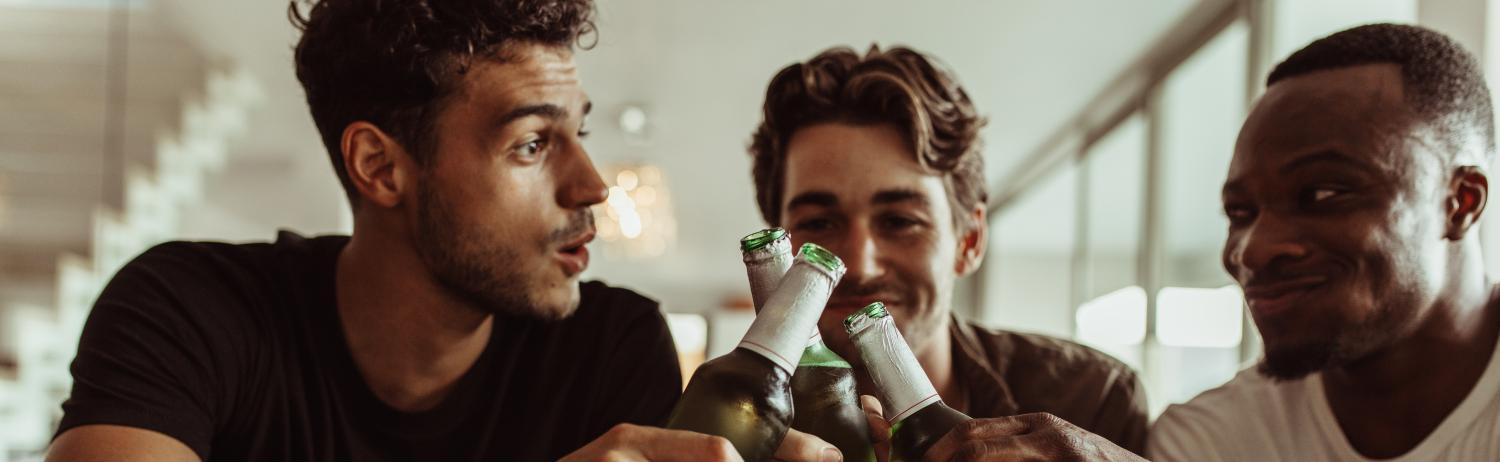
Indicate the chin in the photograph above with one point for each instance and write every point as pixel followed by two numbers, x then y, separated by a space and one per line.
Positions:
pixel 1293 362
pixel 558 303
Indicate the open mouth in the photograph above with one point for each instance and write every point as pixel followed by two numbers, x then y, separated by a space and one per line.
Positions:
pixel 574 254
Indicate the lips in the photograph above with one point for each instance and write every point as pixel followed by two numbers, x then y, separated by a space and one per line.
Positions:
pixel 1271 298
pixel 573 255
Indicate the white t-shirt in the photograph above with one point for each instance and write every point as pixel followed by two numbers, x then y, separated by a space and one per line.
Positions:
pixel 1253 418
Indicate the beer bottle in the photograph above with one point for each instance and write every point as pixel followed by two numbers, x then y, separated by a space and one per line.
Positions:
pixel 745 396
pixel 768 255
pixel 823 386
pixel 917 414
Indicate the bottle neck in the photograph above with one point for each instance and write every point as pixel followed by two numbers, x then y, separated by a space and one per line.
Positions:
pixel 817 354
pixel 765 267
pixel 894 368
pixel 779 331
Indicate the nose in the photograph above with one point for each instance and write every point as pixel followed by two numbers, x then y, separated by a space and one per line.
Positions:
pixel 1268 241
pixel 861 254
pixel 579 183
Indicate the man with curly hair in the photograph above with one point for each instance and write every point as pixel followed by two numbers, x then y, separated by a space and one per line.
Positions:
pixel 877 157
pixel 451 325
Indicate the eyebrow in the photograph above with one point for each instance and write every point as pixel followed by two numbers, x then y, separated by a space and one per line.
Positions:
pixel 884 197
pixel 1326 156
pixel 550 111
pixel 893 196
pixel 1236 186
pixel 813 199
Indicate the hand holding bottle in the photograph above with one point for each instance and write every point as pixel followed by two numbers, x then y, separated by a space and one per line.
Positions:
pixel 635 443
pixel 931 431
pixel 1038 436
pixel 626 442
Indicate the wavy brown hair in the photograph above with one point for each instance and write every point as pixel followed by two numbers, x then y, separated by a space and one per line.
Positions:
pixel 898 86
pixel 393 62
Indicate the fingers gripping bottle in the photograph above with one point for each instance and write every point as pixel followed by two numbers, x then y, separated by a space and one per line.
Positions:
pixel 745 396
pixel 917 414
pixel 823 386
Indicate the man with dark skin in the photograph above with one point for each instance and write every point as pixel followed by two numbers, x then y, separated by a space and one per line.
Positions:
pixel 451 325
pixel 1352 198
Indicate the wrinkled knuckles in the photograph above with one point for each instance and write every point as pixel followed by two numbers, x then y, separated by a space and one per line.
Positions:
pixel 1047 420
pixel 614 455
pixel 718 449
pixel 621 433
pixel 971 430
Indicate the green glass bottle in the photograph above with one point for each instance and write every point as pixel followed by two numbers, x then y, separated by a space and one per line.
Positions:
pixel 917 414
pixel 823 386
pixel 745 396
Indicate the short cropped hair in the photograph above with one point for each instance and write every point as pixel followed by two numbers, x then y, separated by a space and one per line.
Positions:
pixel 1443 81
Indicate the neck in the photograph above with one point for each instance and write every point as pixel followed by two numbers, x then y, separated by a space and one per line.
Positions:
pixel 1421 378
pixel 410 338
pixel 936 357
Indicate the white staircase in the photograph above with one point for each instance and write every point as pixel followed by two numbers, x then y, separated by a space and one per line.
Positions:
pixel 167 155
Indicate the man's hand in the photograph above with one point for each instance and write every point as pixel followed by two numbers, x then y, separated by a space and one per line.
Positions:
pixel 802 447
pixel 1025 437
pixel 880 429
pixel 634 443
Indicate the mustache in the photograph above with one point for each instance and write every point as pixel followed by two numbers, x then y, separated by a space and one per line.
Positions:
pixel 580 222
pixel 1277 275
pixel 885 290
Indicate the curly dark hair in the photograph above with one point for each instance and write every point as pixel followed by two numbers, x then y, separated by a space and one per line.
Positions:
pixel 898 86
pixel 1443 82
pixel 393 63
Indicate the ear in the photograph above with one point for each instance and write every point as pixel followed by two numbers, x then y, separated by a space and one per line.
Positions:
pixel 378 166
pixel 972 242
pixel 1467 194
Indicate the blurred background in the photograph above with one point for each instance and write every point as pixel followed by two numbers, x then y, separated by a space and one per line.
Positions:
pixel 124 123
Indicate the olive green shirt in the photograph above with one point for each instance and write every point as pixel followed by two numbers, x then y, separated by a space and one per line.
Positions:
pixel 1008 373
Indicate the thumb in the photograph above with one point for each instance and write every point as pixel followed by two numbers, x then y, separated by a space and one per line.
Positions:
pixel 662 445
pixel 880 429
pixel 802 447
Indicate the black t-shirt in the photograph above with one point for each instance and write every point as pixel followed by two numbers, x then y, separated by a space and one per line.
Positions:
pixel 237 351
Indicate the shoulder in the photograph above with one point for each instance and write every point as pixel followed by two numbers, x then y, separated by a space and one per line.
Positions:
pixel 613 311
pixel 194 259
pixel 1234 401
pixel 1223 416
pixel 597 296
pixel 1051 356
pixel 205 274
pixel 1076 383
pixel 218 286
pixel 220 264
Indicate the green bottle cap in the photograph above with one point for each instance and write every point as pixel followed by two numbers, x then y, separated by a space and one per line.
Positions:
pixel 868 314
pixel 760 239
pixel 822 257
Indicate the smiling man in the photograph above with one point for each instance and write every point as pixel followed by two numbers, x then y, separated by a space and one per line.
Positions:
pixel 877 157
pixel 451 325
pixel 1353 195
